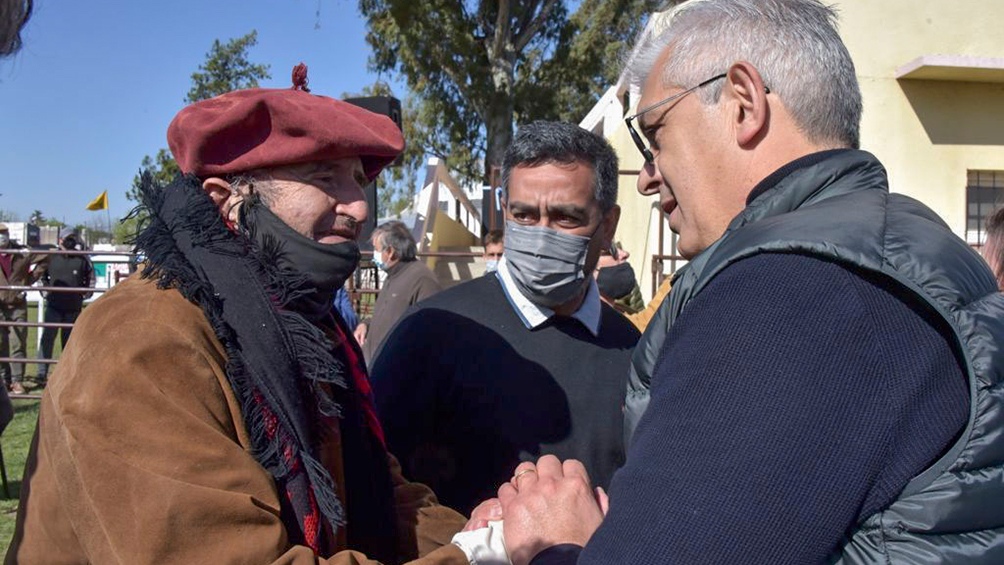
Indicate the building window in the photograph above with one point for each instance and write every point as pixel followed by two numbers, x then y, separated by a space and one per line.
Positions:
pixel 984 194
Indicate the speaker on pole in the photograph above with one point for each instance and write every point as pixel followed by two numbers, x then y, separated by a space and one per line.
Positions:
pixel 390 107
pixel 383 105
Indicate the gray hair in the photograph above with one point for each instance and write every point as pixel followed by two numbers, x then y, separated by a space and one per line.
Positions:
pixel 540 143
pixel 397 236
pixel 794 44
pixel 260 183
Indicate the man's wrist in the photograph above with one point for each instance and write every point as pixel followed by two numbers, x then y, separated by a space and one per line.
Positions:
pixel 561 554
pixel 484 546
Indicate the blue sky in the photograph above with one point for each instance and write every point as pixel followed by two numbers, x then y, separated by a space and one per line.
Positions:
pixel 97 83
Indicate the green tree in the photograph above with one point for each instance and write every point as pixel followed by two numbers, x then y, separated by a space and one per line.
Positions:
pixel 124 230
pixel 163 167
pixel 226 68
pixel 39 219
pixel 477 67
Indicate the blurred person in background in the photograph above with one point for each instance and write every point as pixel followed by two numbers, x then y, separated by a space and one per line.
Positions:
pixel 14 14
pixel 408 282
pixel 617 282
pixel 18 267
pixel 494 246
pixel 73 271
pixel 993 247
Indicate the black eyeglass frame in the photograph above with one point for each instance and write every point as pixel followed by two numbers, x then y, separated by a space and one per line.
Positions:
pixel 636 137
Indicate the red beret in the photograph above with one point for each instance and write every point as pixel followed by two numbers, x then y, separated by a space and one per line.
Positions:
pixel 257 128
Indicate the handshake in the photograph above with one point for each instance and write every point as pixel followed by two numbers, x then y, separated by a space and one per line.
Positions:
pixel 544 504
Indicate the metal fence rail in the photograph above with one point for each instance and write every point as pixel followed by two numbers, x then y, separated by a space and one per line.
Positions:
pixel 363 286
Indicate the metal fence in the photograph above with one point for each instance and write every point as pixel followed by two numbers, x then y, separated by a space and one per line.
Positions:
pixel 363 288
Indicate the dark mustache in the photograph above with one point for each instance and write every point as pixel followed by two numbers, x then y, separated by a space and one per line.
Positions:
pixel 348 223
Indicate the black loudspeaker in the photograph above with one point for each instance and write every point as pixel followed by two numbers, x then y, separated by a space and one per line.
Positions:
pixel 390 107
pixel 371 219
pixel 383 105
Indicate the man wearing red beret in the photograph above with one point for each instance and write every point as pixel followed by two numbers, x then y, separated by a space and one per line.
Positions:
pixel 214 409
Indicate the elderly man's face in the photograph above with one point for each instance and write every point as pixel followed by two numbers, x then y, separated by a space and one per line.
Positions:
pixel 560 196
pixel 690 142
pixel 323 201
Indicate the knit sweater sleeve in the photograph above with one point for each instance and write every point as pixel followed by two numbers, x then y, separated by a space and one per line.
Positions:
pixel 792 399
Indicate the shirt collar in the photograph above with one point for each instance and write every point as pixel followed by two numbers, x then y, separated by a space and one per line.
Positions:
pixel 533 316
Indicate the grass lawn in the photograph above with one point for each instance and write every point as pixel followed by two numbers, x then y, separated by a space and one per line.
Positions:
pixel 17 438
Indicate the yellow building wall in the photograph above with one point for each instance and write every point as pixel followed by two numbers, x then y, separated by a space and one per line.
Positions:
pixel 450 235
pixel 638 230
pixel 927 133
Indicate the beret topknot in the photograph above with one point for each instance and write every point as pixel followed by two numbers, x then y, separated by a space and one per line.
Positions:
pixel 257 128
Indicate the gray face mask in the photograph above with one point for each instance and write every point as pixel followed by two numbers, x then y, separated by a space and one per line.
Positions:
pixel 548 266
pixel 4 240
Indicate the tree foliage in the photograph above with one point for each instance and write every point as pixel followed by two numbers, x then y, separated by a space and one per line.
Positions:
pixel 226 68
pixel 163 167
pixel 477 67
pixel 39 219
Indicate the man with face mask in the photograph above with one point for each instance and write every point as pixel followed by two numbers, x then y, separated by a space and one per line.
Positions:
pixel 62 307
pixel 617 283
pixel 494 244
pixel 213 409
pixel 408 281
pixel 526 361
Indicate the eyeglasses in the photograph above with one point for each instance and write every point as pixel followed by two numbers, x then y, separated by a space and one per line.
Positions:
pixel 638 141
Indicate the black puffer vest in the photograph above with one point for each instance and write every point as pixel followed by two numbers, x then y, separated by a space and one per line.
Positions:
pixel 840 210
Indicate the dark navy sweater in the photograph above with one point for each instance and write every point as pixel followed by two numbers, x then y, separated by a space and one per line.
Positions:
pixel 792 399
pixel 465 392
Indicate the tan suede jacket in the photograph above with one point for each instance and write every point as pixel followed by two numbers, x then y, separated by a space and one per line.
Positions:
pixel 141 454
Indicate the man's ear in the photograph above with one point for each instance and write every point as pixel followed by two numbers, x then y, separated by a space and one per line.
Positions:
pixel 609 224
pixel 219 192
pixel 744 86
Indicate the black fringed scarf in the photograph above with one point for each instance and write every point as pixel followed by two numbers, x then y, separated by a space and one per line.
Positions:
pixel 289 377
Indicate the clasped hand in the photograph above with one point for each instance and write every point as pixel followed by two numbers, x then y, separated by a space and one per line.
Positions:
pixel 546 504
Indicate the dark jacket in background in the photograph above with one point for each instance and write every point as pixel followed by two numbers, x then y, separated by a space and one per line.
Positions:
pixel 407 283
pixel 67 271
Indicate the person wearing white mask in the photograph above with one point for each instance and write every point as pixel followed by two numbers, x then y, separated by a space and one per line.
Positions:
pixel 494 244
pixel 408 281
pixel 525 361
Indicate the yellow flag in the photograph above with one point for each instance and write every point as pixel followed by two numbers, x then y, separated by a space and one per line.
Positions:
pixel 99 203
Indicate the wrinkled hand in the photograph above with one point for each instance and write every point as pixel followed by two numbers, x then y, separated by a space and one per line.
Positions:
pixel 550 505
pixel 490 509
pixel 360 334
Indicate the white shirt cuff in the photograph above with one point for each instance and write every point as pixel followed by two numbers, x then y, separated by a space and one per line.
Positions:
pixel 484 546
